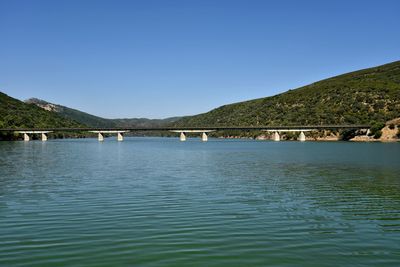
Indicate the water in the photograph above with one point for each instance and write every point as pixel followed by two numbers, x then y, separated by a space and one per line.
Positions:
pixel 160 202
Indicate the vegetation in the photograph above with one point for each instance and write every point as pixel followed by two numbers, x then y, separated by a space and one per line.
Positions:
pixel 361 97
pixel 378 134
pixel 347 134
pixel 375 129
pixel 143 122
pixel 17 114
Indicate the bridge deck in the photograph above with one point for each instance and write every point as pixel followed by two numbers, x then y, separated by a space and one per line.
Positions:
pixel 205 128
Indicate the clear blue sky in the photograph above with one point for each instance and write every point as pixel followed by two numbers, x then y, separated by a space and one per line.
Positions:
pixel 165 58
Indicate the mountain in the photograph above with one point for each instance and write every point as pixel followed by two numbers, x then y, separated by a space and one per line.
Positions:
pixel 69 113
pixel 17 114
pixel 143 122
pixel 95 121
pixel 361 97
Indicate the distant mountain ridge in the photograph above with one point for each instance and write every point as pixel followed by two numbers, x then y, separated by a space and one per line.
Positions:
pixel 95 121
pixel 360 97
pixel 73 114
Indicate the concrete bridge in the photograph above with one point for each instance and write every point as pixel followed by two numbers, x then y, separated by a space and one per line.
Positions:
pixel 203 131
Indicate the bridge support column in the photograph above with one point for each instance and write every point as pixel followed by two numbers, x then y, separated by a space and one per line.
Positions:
pixel 276 136
pixel 100 137
pixel 302 137
pixel 182 137
pixel 100 134
pixel 204 137
pixel 26 137
pixel 44 136
pixel 120 136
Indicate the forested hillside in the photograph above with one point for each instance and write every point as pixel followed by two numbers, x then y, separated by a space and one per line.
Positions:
pixel 362 97
pixel 17 114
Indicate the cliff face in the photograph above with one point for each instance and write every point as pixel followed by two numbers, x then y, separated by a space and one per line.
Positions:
pixel 44 105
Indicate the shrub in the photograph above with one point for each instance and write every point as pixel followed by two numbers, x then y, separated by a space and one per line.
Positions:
pixel 347 134
pixel 377 126
pixel 378 134
pixel 291 136
pixel 391 126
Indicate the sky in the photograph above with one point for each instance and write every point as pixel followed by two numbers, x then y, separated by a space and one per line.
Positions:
pixel 157 59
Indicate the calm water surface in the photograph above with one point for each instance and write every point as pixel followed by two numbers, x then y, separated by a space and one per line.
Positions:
pixel 160 202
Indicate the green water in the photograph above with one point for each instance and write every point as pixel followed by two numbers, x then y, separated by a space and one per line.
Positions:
pixel 161 202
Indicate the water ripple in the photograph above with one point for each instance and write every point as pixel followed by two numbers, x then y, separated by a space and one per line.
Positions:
pixel 159 202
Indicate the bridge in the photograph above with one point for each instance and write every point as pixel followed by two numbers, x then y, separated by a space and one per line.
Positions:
pixel 203 131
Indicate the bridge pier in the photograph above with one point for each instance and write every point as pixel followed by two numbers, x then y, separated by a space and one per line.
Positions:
pixel 100 137
pixel 302 137
pixel 276 136
pixel 182 137
pixel 204 137
pixel 100 134
pixel 183 132
pixel 44 137
pixel 120 136
pixel 27 134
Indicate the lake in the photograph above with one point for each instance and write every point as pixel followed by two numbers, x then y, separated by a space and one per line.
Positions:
pixel 161 202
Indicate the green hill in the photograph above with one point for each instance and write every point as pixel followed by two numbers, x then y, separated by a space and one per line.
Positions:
pixel 17 114
pixel 95 121
pixel 360 97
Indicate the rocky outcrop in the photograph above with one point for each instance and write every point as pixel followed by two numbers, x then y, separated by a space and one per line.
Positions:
pixel 389 133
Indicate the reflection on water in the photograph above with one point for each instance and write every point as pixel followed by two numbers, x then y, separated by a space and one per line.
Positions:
pixel 160 202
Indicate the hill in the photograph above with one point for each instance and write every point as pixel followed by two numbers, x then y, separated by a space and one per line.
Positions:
pixel 361 97
pixel 95 121
pixel 143 122
pixel 69 113
pixel 17 114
